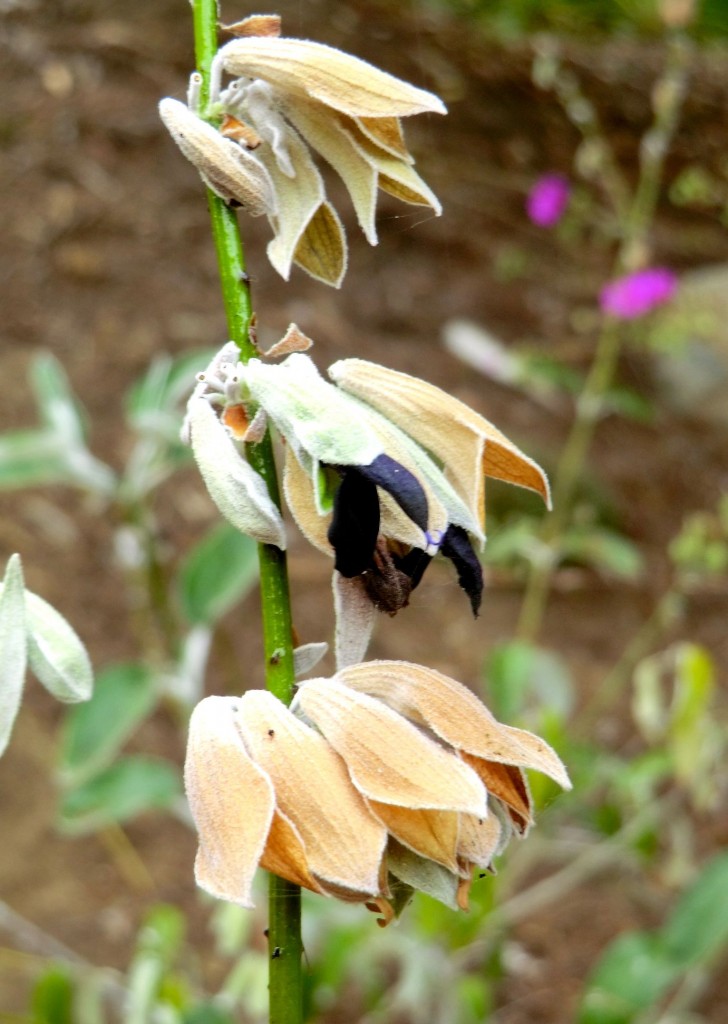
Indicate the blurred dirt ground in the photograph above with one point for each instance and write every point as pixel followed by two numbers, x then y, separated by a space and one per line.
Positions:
pixel 107 260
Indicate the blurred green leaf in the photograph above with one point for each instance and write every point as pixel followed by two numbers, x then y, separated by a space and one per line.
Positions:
pixel 631 976
pixel 94 732
pixel 13 647
pixel 697 931
pixel 30 458
pixel 158 943
pixel 638 968
pixel 207 1013
pixel 59 409
pixel 129 787
pixel 518 672
pixel 218 572
pixel 167 381
pixel 602 549
pixel 56 453
pixel 162 933
pixel 52 998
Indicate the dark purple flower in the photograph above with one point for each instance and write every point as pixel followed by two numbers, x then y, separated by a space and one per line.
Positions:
pixel 548 199
pixel 639 293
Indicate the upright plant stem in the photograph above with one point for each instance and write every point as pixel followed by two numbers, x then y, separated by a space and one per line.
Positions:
pixel 284 924
pixel 635 223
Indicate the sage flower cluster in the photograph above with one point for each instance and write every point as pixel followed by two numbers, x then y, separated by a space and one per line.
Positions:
pixel 416 785
pixel 286 98
pixel 387 777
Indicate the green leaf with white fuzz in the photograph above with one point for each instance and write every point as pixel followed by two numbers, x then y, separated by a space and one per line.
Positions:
pixel 239 492
pixel 56 655
pixel 312 414
pixel 13 647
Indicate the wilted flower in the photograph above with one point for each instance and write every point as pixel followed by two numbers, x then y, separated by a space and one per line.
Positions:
pixel 266 789
pixel 383 471
pixel 288 95
pixel 395 775
pixel 548 200
pixel 637 294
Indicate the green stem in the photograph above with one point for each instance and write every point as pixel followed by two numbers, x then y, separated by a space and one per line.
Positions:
pixel 284 927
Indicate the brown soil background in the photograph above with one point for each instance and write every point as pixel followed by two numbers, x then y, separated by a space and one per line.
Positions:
pixel 107 260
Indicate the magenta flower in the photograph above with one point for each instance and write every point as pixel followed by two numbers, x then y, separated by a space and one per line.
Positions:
pixel 548 199
pixel 639 293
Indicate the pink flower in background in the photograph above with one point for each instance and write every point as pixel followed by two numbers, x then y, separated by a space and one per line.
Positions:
pixel 636 294
pixel 548 199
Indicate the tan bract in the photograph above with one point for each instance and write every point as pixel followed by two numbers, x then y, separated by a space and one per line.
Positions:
pixel 336 79
pixel 227 168
pixel 469 447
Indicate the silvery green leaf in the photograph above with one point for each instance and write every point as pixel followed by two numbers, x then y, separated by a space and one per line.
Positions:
pixel 13 647
pixel 56 655
pixel 239 492
pixel 313 415
pixel 307 656
pixel 422 874
pixel 58 407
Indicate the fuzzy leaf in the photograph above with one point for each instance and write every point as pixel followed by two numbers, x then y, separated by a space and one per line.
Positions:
pixel 13 647
pixel 238 491
pixel 56 654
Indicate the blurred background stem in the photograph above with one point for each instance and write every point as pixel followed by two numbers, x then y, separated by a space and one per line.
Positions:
pixel 634 225
pixel 284 926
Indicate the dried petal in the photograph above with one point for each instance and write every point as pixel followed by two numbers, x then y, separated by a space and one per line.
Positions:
pixel 432 834
pixel 323 73
pixel 388 758
pixel 479 840
pixel 453 713
pixel 294 340
pixel 231 172
pixel 323 132
pixel 307 657
pixel 285 854
pixel 467 444
pixel 232 831
pixel 255 25
pixel 238 491
pixel 343 842
pixel 508 784
pixel 385 132
pixel 321 250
